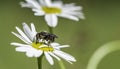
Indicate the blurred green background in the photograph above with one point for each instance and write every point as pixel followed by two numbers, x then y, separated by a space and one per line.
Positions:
pixel 102 25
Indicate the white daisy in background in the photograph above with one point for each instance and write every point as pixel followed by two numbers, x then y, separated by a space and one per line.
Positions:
pixel 52 9
pixel 33 49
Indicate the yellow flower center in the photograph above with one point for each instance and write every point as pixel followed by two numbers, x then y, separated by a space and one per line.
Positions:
pixel 41 46
pixel 51 10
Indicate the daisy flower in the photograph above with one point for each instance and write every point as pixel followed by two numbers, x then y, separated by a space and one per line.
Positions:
pixel 33 49
pixel 51 9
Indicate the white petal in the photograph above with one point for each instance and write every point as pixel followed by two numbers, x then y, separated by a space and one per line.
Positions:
pixel 57 3
pixel 51 20
pixel 26 27
pixel 33 3
pixel 48 3
pixel 58 46
pixel 33 28
pixel 25 4
pixel 72 8
pixel 71 12
pixel 41 2
pixel 27 30
pixel 49 58
pixel 69 17
pixel 65 56
pixel 55 44
pixel 33 31
pixel 69 5
pixel 34 52
pixel 29 54
pixel 19 44
pixel 30 51
pixel 20 37
pixel 22 49
pixel 23 35
pixel 78 14
pixel 38 53
pixel 54 55
pixel 38 12
pixel 63 46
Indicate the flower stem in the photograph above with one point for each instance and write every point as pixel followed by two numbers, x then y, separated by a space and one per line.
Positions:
pixel 101 52
pixel 50 30
pixel 60 62
pixel 39 60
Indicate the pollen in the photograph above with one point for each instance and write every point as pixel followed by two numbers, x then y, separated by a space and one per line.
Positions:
pixel 47 49
pixel 43 47
pixel 51 10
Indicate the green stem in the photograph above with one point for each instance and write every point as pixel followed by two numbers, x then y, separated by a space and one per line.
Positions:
pixel 60 62
pixel 39 60
pixel 50 30
pixel 101 52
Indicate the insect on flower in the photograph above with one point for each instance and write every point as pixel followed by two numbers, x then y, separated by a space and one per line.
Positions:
pixel 32 49
pixel 44 36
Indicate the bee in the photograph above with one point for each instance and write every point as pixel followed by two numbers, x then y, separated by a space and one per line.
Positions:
pixel 44 36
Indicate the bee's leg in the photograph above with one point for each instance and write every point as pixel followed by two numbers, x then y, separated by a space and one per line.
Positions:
pixel 36 41
pixel 48 42
pixel 43 40
pixel 52 39
pixel 37 38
